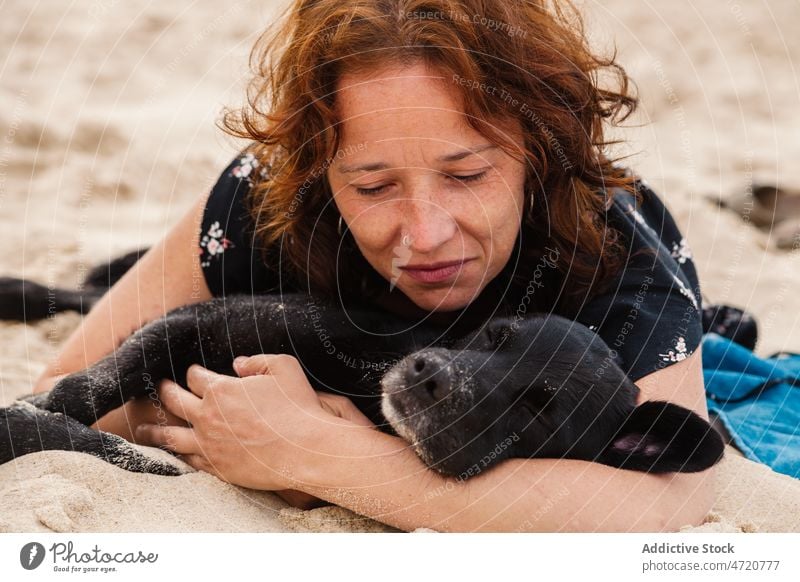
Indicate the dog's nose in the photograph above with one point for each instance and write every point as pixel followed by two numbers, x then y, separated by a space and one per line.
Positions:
pixel 427 377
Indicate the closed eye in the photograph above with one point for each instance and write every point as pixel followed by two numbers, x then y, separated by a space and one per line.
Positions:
pixel 465 179
pixel 469 177
pixel 371 191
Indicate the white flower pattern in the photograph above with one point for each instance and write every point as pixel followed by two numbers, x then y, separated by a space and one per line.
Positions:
pixel 681 252
pixel 244 170
pixel 685 291
pixel 678 354
pixel 213 244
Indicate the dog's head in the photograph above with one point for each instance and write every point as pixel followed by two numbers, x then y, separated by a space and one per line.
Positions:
pixel 543 386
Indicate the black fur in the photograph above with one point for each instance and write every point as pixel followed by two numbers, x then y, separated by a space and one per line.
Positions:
pixel 544 386
pixel 23 300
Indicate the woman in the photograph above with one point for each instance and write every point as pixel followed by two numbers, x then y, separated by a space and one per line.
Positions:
pixel 441 160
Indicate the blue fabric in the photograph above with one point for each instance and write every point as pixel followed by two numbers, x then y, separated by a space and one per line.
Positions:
pixel 757 399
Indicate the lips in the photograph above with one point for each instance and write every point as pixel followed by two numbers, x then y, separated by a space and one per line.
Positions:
pixel 435 272
pixel 434 266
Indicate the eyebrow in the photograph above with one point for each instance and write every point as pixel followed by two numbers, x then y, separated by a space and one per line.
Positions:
pixel 454 157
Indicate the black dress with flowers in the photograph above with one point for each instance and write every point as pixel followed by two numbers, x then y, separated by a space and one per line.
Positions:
pixel 651 317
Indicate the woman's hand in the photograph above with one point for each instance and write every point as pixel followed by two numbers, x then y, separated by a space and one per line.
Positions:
pixel 123 421
pixel 251 430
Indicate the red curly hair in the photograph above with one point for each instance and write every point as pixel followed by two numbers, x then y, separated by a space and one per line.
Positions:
pixel 533 50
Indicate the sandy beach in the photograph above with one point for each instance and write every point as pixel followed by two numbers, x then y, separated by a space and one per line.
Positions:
pixel 108 134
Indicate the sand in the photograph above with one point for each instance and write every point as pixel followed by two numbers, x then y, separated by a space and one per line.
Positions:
pixel 107 135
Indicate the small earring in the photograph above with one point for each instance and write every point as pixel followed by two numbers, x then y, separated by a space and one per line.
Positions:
pixel 530 207
pixel 339 230
pixel 406 240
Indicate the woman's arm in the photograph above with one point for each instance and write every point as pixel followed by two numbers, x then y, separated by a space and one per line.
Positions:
pixel 283 439
pixel 382 478
pixel 167 276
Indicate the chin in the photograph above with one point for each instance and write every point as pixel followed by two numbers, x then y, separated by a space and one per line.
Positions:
pixel 440 300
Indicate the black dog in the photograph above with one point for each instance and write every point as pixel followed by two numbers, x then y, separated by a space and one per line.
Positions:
pixel 464 401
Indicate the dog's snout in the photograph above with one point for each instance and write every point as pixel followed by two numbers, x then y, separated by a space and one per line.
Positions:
pixel 426 376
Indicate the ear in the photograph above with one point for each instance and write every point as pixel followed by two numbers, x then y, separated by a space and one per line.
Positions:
pixel 661 437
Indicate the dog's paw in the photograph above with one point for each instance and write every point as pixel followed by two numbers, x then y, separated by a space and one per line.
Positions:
pixel 77 395
pixel 124 455
pixel 26 429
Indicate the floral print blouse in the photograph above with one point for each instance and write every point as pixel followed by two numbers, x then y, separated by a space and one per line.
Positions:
pixel 651 318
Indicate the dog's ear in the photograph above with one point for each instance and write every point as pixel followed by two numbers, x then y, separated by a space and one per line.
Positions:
pixel 661 437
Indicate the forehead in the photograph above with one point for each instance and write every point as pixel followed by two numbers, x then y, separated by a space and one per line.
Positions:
pixel 398 103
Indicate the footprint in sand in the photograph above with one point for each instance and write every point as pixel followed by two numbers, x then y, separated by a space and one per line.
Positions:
pixel 54 503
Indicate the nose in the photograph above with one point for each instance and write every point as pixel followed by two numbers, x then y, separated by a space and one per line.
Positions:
pixel 427 379
pixel 429 224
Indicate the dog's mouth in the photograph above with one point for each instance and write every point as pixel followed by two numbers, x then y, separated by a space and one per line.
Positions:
pixel 426 400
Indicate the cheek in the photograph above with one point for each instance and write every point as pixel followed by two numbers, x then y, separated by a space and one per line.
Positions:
pixel 373 227
pixel 504 195
pixel 500 216
pixel 506 209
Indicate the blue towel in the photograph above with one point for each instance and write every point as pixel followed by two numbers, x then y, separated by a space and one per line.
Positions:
pixel 757 399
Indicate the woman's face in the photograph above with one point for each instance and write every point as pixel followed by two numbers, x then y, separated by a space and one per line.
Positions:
pixel 410 168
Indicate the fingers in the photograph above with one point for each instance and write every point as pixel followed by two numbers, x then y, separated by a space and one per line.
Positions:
pixel 343 407
pixel 283 372
pixel 178 401
pixel 262 364
pixel 200 380
pixel 177 439
pixel 275 364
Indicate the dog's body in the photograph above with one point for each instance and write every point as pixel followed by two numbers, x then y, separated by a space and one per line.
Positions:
pixel 541 387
